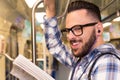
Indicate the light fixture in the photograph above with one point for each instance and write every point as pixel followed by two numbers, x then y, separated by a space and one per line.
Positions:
pixel 42 26
pixel 30 3
pixel 106 24
pixel 106 36
pixel 118 17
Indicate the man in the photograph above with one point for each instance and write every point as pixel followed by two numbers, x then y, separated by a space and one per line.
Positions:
pixel 84 33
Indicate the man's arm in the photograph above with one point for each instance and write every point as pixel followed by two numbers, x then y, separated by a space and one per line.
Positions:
pixel 53 36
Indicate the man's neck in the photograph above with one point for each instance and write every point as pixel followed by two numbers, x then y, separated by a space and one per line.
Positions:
pixel 99 41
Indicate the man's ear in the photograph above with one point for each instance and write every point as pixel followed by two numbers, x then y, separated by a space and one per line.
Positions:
pixel 99 29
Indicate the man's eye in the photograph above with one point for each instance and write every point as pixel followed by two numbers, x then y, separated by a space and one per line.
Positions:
pixel 76 28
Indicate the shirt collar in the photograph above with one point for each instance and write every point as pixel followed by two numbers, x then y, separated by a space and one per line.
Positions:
pixel 88 58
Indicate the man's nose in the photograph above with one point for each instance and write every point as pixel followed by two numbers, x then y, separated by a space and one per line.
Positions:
pixel 70 35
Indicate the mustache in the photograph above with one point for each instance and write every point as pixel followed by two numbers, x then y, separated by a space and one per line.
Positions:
pixel 74 40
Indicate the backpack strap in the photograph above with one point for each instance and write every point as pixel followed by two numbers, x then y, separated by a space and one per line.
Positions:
pixel 100 55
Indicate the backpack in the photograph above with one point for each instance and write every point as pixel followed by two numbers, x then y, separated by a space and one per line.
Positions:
pixel 93 62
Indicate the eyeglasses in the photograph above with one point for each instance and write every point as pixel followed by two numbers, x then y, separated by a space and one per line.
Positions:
pixel 77 30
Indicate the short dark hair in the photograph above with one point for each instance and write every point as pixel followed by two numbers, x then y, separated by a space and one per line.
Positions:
pixel 90 7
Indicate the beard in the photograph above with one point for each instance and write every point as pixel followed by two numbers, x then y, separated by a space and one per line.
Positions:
pixel 87 46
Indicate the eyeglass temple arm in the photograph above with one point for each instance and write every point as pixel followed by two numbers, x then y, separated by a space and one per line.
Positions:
pixel 89 24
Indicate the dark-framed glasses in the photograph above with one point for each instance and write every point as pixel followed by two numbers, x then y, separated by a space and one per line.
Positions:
pixel 77 30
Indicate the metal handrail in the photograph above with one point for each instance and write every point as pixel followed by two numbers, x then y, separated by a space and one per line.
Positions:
pixel 7 56
pixel 64 11
pixel 111 2
pixel 12 59
pixel 33 30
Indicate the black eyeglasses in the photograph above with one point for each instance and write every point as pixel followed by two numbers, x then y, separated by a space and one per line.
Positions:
pixel 77 30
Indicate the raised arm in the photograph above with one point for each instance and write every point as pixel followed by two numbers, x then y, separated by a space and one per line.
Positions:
pixel 53 36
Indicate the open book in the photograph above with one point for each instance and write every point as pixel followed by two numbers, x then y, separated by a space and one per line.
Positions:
pixel 24 69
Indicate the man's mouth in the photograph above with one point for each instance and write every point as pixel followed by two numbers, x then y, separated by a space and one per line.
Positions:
pixel 75 44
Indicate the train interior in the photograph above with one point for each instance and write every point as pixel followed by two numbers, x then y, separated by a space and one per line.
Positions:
pixel 16 33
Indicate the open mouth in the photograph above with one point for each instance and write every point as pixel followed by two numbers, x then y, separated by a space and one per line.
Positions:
pixel 75 44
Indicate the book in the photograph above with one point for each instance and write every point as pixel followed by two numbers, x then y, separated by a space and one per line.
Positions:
pixel 24 69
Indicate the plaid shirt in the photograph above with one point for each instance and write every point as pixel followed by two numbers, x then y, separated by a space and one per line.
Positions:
pixel 106 68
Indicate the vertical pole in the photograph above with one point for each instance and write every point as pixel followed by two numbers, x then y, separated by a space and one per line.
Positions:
pixel 33 30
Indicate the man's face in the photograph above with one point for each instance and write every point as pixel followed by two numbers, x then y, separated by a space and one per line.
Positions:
pixel 81 45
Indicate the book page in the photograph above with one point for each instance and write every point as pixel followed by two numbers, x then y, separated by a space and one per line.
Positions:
pixel 21 74
pixel 24 69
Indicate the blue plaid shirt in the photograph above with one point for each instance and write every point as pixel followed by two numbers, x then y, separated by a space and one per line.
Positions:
pixel 106 68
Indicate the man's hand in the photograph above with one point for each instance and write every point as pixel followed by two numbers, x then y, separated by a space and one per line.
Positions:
pixel 50 8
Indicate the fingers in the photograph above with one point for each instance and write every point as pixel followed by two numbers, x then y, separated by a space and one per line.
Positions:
pixel 49 2
pixel 50 8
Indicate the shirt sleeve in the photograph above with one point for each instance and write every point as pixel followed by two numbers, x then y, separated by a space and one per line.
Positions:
pixel 107 68
pixel 54 43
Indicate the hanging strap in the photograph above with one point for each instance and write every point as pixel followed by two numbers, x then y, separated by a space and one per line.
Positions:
pixel 111 53
pixel 71 78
